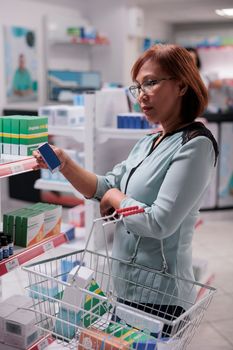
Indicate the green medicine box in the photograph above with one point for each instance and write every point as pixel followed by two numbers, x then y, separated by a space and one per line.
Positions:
pixel 33 132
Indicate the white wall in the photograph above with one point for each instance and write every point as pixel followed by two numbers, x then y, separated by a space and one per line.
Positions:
pixel 157 29
pixel 110 19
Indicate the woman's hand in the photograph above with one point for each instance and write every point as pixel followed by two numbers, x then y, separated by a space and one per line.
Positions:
pixel 63 157
pixel 111 201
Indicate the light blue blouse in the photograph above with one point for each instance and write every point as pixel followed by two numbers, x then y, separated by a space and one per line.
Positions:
pixel 169 184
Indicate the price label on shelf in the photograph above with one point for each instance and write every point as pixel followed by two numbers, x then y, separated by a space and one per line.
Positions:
pixel 43 344
pixel 48 246
pixel 17 168
pixel 12 264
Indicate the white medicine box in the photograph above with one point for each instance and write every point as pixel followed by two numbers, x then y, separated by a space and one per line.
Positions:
pixel 20 330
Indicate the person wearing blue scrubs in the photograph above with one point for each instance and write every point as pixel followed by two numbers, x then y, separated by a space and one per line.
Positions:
pixel 22 82
pixel 166 173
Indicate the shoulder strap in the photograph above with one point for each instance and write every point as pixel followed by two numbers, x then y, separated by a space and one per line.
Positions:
pixel 198 129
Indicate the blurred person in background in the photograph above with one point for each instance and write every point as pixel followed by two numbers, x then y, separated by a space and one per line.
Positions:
pixel 216 83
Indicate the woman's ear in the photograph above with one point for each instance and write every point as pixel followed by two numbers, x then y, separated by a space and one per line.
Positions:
pixel 183 88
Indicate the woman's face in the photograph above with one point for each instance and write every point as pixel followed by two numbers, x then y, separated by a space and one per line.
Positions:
pixel 162 104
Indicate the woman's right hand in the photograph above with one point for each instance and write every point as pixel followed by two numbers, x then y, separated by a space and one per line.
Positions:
pixel 63 157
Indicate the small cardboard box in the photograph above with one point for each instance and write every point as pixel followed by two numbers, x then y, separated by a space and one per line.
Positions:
pixel 33 132
pixel 93 339
pixel 19 301
pixel 5 310
pixel 52 218
pixel 81 279
pixel 29 228
pixel 20 330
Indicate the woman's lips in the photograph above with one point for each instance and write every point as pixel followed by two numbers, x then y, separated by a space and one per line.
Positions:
pixel 146 109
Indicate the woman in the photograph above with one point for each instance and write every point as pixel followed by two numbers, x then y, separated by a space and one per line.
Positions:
pixel 166 173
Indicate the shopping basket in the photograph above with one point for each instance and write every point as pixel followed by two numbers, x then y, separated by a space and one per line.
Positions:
pixel 91 300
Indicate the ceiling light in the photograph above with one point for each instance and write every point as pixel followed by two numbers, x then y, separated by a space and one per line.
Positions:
pixel 225 12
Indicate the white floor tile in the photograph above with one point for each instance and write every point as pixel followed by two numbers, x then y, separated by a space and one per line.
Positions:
pixel 206 338
pixel 221 308
pixel 225 328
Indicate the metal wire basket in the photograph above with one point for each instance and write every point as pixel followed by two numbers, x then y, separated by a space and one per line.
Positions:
pixel 80 300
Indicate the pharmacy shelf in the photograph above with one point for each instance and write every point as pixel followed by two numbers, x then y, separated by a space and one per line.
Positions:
pixel 72 40
pixel 48 185
pixel 62 130
pixel 104 134
pixel 26 254
pixel 13 165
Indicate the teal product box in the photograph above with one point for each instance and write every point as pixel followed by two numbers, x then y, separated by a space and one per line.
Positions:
pixel 91 309
pixel 6 135
pixel 68 329
pixel 9 221
pixel 15 135
pixel 0 135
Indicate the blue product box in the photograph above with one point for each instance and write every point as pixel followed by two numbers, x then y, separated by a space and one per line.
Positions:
pixel 145 124
pixel 68 328
pixel 44 291
pixel 78 100
pixel 49 157
pixel 126 122
pixel 150 344
pixel 66 267
pixel 132 123
pixel 138 122
pixel 120 122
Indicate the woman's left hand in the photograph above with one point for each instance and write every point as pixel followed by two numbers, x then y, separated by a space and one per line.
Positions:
pixel 111 201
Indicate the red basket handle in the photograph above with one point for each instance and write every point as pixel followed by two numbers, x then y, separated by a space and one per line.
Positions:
pixel 130 210
pixel 133 212
pixel 122 210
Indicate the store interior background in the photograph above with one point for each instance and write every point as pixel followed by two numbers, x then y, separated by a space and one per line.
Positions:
pixel 164 20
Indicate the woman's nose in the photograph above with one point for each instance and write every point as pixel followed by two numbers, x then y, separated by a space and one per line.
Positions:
pixel 142 95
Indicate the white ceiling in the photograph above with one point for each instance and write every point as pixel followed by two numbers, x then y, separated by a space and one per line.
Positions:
pixel 172 11
pixel 183 11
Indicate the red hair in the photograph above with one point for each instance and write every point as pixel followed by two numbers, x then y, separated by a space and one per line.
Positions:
pixel 177 62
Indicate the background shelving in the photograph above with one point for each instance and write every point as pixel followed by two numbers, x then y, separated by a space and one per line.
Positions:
pixel 75 132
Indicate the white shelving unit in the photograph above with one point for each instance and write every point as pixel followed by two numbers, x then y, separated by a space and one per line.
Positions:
pixel 42 184
pixel 104 134
pixel 86 136
pixel 76 132
pixel 19 165
pixel 14 165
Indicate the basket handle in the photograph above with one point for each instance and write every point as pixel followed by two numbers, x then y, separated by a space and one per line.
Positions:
pixel 130 211
pixel 122 210
pixel 110 219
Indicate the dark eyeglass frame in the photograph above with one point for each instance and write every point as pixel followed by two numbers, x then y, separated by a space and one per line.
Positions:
pixel 146 86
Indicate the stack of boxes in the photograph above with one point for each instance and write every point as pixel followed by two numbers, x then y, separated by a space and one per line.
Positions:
pixel 21 135
pixel 133 120
pixel 64 115
pixel 30 225
pixel 17 323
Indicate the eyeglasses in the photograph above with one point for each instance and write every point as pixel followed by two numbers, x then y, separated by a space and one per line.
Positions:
pixel 147 86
